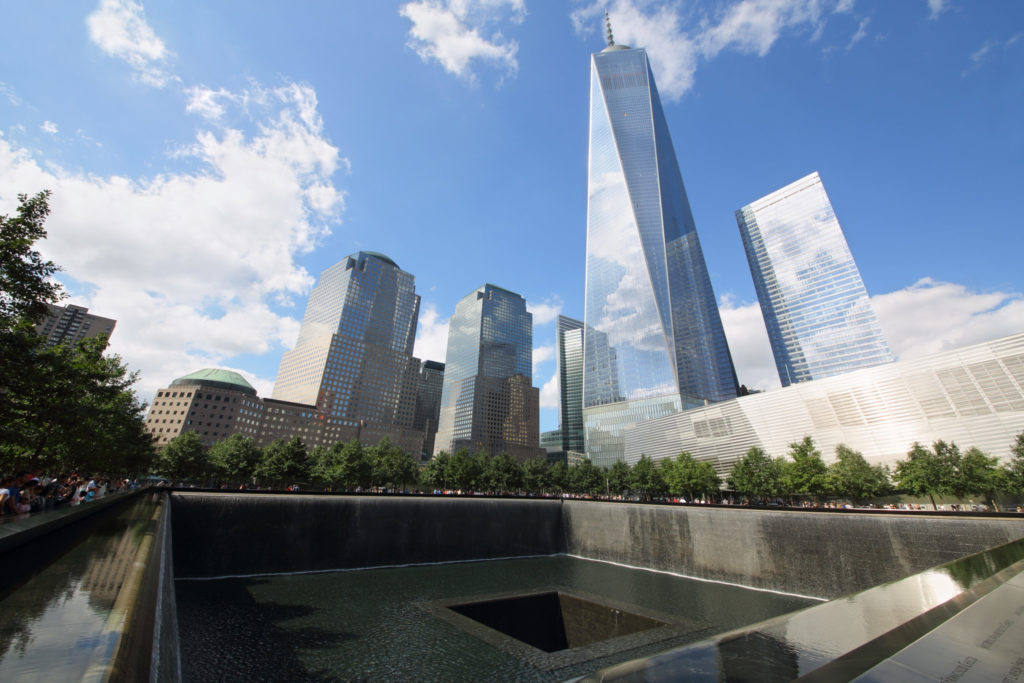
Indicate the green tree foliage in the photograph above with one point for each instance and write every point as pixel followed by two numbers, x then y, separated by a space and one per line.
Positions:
pixel 646 478
pixel 64 407
pixel 586 477
pixel 235 458
pixel 852 477
pixel 25 278
pixel 437 473
pixel 346 466
pixel 558 477
pixel 926 472
pixel 283 463
pixel 619 478
pixel 184 458
pixel 1013 471
pixel 977 474
pixel 391 466
pixel 535 475
pixel 756 475
pixel 805 474
pixel 504 474
pixel 463 470
pixel 686 476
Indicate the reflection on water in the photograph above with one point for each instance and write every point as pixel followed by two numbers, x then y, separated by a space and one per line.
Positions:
pixel 56 595
pixel 369 624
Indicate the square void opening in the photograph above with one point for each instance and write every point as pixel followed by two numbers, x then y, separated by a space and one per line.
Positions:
pixel 555 621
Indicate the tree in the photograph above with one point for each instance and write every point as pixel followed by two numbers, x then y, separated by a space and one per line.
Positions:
pixel 184 458
pixel 646 478
pixel 977 474
pixel 535 475
pixel 463 470
pixel 685 475
pixel 852 477
pixel 392 467
pixel 926 472
pixel 806 473
pixel 558 477
pixel 25 278
pixel 235 458
pixel 586 477
pixel 283 462
pixel 619 478
pixel 756 475
pixel 504 473
pixel 347 465
pixel 437 473
pixel 1013 471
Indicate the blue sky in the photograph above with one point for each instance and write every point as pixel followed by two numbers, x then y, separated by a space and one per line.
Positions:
pixel 208 160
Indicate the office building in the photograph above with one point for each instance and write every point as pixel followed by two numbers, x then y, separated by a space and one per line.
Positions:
pixel 973 396
pixel 428 404
pixel 654 342
pixel 211 402
pixel 820 320
pixel 353 360
pixel 488 401
pixel 569 341
pixel 70 324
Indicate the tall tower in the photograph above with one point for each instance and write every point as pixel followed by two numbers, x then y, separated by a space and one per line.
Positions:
pixel 353 359
pixel 819 318
pixel 488 401
pixel 570 383
pixel 655 342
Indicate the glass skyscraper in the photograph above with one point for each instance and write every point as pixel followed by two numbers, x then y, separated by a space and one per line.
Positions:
pixel 654 339
pixel 570 383
pixel 353 358
pixel 819 318
pixel 488 401
pixel 428 403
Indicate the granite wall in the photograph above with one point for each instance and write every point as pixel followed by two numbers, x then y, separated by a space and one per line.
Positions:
pixel 815 554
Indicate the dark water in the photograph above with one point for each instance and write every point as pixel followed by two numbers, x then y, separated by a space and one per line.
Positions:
pixel 57 596
pixel 371 625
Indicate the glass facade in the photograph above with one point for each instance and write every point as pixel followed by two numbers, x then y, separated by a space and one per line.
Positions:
pixel 819 318
pixel 570 383
pixel 487 401
pixel 428 403
pixel 353 358
pixel 653 328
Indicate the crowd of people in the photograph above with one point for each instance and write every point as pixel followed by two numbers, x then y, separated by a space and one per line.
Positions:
pixel 26 492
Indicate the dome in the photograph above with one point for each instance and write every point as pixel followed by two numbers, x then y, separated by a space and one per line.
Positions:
pixel 216 378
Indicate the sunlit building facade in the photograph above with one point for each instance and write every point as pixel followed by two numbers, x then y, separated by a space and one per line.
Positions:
pixel 820 320
pixel 488 401
pixel 353 359
pixel 973 396
pixel 654 339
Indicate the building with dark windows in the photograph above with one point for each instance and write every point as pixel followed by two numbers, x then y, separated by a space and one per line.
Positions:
pixel 569 340
pixel 820 320
pixel 212 403
pixel 428 404
pixel 488 401
pixel 654 338
pixel 69 324
pixel 352 363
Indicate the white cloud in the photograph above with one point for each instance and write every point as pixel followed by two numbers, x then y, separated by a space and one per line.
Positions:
pixel 931 316
pixel 190 262
pixel 935 8
pixel 544 313
pixel 119 28
pixel 748 344
pixel 206 102
pixel 541 355
pixel 49 127
pixel 431 335
pixel 549 393
pixel 451 32
pixel 860 34
pixel 678 37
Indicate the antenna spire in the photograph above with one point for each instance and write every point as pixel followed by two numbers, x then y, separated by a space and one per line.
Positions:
pixel 608 24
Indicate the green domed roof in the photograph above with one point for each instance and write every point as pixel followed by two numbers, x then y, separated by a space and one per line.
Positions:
pixel 382 257
pixel 215 377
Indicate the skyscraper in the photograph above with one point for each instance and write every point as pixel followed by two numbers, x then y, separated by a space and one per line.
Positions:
pixel 570 383
pixel 69 324
pixel 428 403
pixel 654 338
pixel 819 318
pixel 353 358
pixel 487 402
